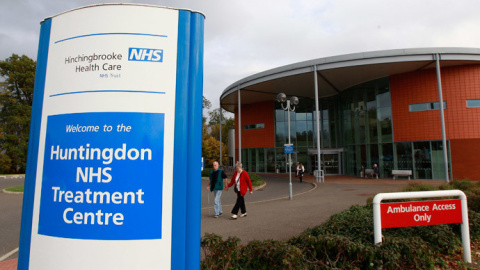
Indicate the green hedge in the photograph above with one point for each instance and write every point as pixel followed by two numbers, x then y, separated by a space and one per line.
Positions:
pixel 206 172
pixel 345 241
pixel 269 254
pixel 256 179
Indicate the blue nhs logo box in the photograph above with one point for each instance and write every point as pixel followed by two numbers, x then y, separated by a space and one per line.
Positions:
pixel 144 54
pixel 288 148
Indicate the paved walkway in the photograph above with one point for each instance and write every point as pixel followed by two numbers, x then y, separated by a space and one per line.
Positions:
pixel 271 215
pixel 282 218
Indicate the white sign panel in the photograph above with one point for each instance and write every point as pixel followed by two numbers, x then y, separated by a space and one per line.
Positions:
pixel 104 170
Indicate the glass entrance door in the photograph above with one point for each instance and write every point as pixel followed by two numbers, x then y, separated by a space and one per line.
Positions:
pixel 331 163
pixel 331 160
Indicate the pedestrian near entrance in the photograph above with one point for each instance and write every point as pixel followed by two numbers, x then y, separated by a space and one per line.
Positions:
pixel 242 182
pixel 300 171
pixel 218 178
pixel 375 171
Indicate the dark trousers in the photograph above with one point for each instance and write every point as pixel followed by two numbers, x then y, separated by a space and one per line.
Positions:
pixel 239 204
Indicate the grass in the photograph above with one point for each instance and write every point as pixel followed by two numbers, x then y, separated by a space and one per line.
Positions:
pixel 15 189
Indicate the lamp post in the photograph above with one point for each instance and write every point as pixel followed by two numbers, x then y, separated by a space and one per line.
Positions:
pixel 290 107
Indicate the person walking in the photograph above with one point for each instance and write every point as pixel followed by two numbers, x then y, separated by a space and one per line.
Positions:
pixel 301 171
pixel 242 182
pixel 218 178
pixel 375 171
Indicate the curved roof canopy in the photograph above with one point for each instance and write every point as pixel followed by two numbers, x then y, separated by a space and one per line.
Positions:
pixel 338 73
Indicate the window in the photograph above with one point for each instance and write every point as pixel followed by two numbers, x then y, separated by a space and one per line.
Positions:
pixel 254 126
pixel 429 106
pixel 473 103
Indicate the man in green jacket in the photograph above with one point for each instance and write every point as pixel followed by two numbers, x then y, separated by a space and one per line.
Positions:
pixel 216 184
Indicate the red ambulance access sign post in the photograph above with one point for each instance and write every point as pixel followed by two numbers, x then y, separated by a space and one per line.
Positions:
pixel 422 213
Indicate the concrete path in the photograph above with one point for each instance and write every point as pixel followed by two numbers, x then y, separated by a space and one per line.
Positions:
pixel 279 188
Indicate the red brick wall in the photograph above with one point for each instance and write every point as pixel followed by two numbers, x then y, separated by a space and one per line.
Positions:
pixel 458 84
pixel 261 112
pixel 465 159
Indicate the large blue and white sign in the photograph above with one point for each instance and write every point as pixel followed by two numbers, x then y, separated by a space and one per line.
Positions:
pixel 116 124
pixel 111 168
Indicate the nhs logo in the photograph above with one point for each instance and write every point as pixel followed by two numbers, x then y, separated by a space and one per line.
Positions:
pixel 144 54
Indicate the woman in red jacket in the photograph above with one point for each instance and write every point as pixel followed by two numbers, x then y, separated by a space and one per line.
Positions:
pixel 242 182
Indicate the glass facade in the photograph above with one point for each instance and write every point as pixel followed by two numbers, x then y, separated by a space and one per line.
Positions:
pixel 356 132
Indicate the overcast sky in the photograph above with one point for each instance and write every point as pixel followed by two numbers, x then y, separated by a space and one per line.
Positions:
pixel 248 36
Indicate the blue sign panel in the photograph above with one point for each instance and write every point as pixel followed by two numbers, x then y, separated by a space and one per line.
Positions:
pixel 288 148
pixel 103 176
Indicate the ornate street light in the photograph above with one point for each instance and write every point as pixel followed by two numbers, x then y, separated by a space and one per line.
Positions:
pixel 290 107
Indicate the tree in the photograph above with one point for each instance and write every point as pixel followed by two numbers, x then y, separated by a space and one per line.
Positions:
pixel 210 139
pixel 211 150
pixel 205 106
pixel 215 130
pixel 16 98
pixel 214 117
pixel 206 103
pixel 227 124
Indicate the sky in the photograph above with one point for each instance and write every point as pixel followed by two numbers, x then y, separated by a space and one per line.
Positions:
pixel 245 37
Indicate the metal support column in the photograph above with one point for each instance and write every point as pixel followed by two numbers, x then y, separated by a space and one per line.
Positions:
pixel 290 196
pixel 239 126
pixel 317 112
pixel 442 117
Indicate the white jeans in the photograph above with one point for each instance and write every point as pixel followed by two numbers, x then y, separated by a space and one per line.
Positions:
pixel 217 203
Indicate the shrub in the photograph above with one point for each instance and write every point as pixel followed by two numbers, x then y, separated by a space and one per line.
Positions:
pixel 355 223
pixel 417 186
pixel 206 172
pixel 219 254
pixel 345 241
pixel 335 251
pixel 474 221
pixel 473 200
pixel 405 253
pixel 462 185
pixel 256 179
pixel 271 254
pixel 340 252
pixel 440 238
pixel 471 190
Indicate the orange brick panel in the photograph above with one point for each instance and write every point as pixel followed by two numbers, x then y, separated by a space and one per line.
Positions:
pixel 458 84
pixel 260 112
pixel 464 154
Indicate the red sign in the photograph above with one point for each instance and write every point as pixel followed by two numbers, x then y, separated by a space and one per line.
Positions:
pixel 410 214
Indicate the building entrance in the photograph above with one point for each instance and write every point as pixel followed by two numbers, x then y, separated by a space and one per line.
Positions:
pixel 331 160
pixel 331 163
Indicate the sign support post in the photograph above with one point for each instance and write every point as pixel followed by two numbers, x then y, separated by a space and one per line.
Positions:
pixel 441 210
